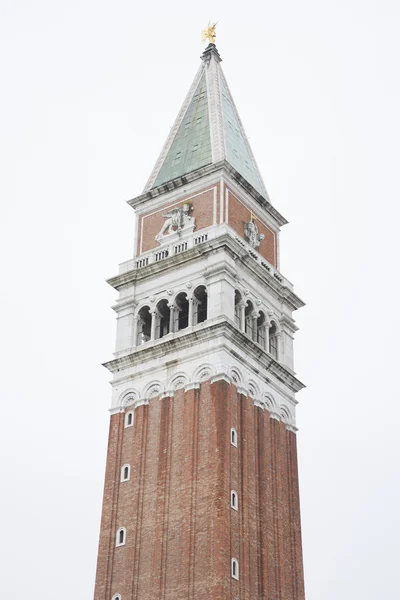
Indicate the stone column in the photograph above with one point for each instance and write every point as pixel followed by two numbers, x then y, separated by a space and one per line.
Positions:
pixel 267 326
pixel 154 316
pixel 190 317
pixel 279 346
pixel 172 309
pixel 125 323
pixel 242 315
pixel 254 317
pixel 266 336
pixel 136 321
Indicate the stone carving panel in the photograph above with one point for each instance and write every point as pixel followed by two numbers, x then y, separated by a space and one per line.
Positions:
pixel 177 220
pixel 251 234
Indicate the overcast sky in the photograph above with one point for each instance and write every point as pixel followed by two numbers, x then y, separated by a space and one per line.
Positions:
pixel 89 90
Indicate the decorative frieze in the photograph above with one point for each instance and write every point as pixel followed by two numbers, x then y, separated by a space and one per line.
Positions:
pixel 260 392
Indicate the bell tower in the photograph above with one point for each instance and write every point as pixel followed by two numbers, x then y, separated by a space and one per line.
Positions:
pixel 201 497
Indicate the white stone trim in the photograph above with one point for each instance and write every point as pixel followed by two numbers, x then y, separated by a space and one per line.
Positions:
pixel 235 569
pixel 117 536
pixel 234 500
pixel 233 438
pixel 194 385
pixel 220 377
pixel 178 381
pixel 195 367
pixel 123 478
pixel 180 194
pixel 221 200
pixel 241 390
pixel 215 207
pixel 274 415
pixel 129 419
pixel 213 71
pixel 128 397
pixel 292 428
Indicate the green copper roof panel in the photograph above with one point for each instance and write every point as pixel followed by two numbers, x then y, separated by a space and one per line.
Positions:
pixel 237 151
pixel 191 148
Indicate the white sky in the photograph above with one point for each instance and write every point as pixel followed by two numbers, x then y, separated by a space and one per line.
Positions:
pixel 89 91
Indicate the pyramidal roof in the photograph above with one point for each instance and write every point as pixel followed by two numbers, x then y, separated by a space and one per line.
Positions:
pixel 207 130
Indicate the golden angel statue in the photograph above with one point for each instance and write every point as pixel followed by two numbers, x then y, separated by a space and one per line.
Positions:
pixel 209 33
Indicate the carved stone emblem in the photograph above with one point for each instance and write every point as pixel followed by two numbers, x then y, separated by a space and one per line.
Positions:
pixel 251 234
pixel 176 220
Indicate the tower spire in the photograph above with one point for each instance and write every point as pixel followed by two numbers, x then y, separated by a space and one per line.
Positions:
pixel 208 129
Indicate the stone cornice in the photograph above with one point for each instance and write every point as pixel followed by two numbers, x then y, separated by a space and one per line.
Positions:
pixel 224 241
pixel 223 166
pixel 289 323
pixel 207 331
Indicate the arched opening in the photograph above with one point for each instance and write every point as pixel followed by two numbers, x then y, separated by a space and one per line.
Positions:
pixel 235 568
pixel 144 325
pixel 181 312
pixel 249 321
pixel 163 319
pixel 125 473
pixel 273 341
pixel 121 536
pixel 234 437
pixel 129 419
pixel 234 500
pixel 238 300
pixel 199 305
pixel 261 325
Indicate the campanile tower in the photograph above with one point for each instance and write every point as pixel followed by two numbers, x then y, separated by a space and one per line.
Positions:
pixel 201 498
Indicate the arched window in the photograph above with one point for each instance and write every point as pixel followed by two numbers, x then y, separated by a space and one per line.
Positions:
pixel 129 419
pixel 117 597
pixel 181 312
pixel 235 568
pixel 261 325
pixel 273 341
pixel 143 325
pixel 234 500
pixel 121 537
pixel 250 321
pixel 238 300
pixel 163 319
pixel 199 305
pixel 125 473
pixel 234 437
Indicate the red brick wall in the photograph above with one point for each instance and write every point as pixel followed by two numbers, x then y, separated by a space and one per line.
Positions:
pixel 181 530
pixel 149 224
pixel 239 214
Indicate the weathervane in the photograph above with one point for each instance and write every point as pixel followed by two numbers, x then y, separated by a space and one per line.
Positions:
pixel 209 33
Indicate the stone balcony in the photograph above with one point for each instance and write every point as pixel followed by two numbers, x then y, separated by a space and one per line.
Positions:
pixel 176 243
